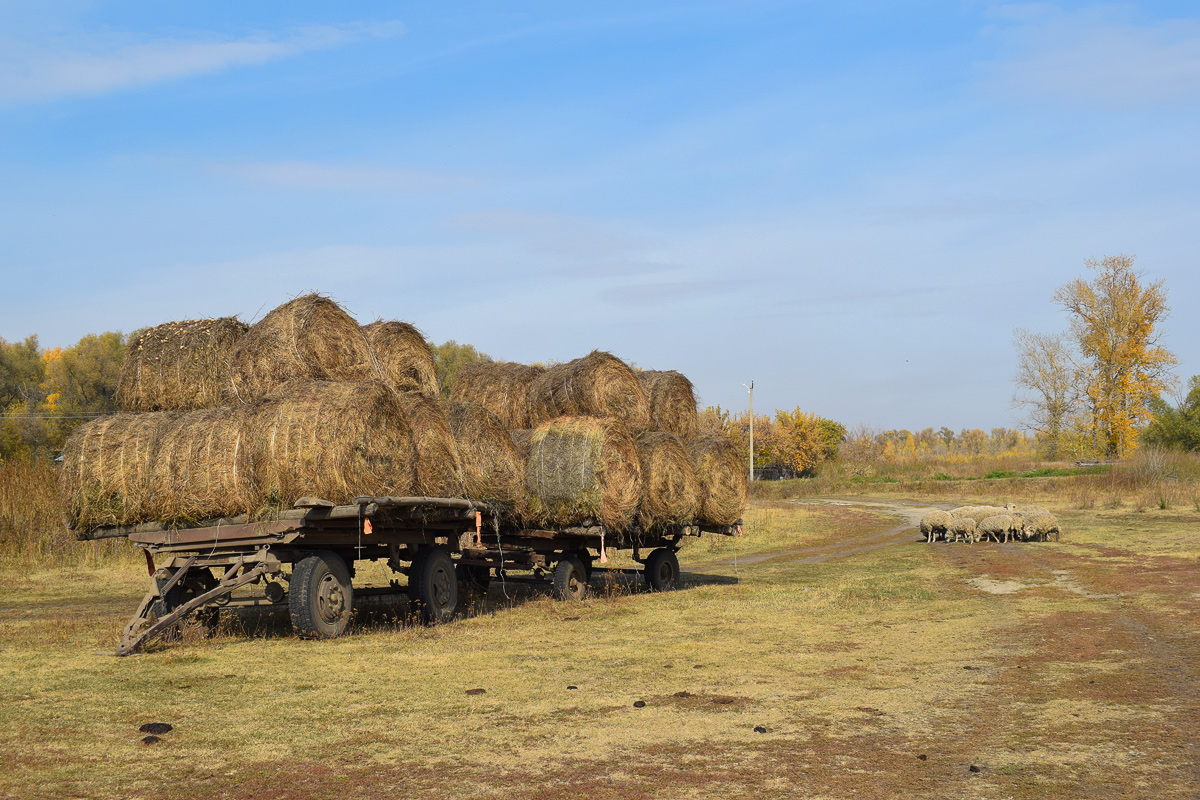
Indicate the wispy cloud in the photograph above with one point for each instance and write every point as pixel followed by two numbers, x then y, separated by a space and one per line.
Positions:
pixel 98 65
pixel 313 176
pixel 1090 57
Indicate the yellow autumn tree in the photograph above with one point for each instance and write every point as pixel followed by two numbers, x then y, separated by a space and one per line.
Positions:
pixel 1122 365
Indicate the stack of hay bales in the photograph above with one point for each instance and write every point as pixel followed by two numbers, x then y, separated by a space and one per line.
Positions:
pixel 614 446
pixel 222 419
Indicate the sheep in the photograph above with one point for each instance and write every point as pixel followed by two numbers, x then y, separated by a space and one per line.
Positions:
pixel 995 526
pixel 1041 525
pixel 977 513
pixel 963 529
pixel 935 524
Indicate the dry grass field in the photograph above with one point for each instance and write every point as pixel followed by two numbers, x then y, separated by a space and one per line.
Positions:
pixel 838 657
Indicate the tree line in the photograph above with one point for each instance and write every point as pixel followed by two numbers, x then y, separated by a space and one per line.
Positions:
pixel 1095 390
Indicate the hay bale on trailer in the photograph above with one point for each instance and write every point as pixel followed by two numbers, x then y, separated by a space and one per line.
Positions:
pixel 179 365
pixel 404 357
pixel 491 468
pixel 310 337
pixel 203 467
pixel 723 479
pixel 334 440
pixel 501 387
pixel 597 385
pixel 670 489
pixel 583 468
pixel 439 467
pixel 104 478
pixel 672 402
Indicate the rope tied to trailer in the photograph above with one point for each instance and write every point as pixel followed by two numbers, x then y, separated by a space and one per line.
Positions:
pixel 500 549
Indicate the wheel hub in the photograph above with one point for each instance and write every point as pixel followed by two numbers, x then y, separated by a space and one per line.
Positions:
pixel 440 588
pixel 331 601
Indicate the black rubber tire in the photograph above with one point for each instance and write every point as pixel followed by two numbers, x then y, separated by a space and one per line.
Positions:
pixel 662 570
pixel 586 559
pixel 320 596
pixel 435 584
pixel 414 569
pixel 569 581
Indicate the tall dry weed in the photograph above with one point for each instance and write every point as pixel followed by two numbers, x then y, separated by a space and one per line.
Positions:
pixel 32 533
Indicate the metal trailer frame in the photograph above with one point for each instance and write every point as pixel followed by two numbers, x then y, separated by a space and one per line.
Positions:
pixel 439 542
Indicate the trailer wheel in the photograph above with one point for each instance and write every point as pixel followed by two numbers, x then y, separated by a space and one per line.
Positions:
pixel 662 570
pixel 320 596
pixel 569 581
pixel 194 584
pixel 586 559
pixel 435 584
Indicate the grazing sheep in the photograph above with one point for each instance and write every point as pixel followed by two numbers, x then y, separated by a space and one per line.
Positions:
pixel 1040 525
pixel 961 529
pixel 935 524
pixel 996 526
pixel 977 513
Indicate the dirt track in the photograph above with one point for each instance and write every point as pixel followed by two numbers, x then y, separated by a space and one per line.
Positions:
pixel 1095 700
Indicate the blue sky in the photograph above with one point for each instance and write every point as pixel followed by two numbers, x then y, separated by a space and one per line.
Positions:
pixel 852 203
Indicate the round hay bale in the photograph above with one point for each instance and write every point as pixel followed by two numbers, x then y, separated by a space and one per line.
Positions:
pixel 583 468
pixel 492 470
pixel 501 387
pixel 722 475
pixel 104 478
pixel 670 490
pixel 439 468
pixel 672 402
pixel 404 357
pixel 203 467
pixel 597 385
pixel 333 440
pixel 309 337
pixel 179 365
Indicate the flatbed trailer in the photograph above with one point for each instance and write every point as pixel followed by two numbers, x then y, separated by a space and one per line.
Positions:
pixel 304 558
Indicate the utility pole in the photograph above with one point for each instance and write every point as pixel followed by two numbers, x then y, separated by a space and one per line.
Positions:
pixel 751 389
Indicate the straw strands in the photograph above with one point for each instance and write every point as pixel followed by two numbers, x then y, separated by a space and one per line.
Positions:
pixel 439 470
pixel 179 365
pixel 404 357
pixel 309 337
pixel 501 387
pixel 203 467
pixel 335 440
pixel 583 468
pixel 722 477
pixel 491 468
pixel 597 385
pixel 104 478
pixel 670 490
pixel 672 402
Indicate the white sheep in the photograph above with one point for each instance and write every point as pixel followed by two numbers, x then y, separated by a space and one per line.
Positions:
pixel 961 529
pixel 996 526
pixel 935 524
